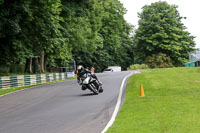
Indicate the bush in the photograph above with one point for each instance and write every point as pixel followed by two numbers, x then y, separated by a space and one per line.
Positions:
pixel 17 69
pixel 11 69
pixel 4 70
pixel 159 60
pixel 137 66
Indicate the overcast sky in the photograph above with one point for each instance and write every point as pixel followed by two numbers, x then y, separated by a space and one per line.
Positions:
pixel 187 8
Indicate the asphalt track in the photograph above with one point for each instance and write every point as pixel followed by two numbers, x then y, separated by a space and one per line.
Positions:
pixel 60 107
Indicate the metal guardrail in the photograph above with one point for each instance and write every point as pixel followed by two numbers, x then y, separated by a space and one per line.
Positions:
pixel 7 82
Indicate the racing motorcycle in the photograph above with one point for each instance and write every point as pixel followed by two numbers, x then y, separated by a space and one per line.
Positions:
pixel 89 82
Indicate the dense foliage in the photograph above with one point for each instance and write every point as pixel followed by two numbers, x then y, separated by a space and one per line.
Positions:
pixel 161 31
pixel 98 33
pixel 36 34
pixel 29 30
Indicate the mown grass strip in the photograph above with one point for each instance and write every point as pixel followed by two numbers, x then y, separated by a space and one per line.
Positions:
pixel 6 91
pixel 171 103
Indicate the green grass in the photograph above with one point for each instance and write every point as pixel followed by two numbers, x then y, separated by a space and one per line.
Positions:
pixel 5 91
pixel 171 103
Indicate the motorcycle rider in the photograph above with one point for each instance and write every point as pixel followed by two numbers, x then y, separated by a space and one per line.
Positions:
pixel 81 71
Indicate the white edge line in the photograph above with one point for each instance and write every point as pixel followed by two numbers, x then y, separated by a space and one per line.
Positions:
pixel 117 105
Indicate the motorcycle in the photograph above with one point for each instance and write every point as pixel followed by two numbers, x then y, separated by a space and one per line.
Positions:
pixel 89 82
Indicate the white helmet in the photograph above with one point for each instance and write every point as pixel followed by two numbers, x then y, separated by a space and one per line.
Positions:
pixel 80 68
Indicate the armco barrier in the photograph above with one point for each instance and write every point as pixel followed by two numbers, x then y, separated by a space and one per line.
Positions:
pixel 7 82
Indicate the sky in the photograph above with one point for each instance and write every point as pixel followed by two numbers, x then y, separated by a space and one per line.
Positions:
pixel 187 8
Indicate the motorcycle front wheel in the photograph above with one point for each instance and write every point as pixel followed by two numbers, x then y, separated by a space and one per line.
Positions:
pixel 101 89
pixel 93 89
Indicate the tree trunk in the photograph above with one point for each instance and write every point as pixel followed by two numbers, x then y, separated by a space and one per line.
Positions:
pixel 45 63
pixel 42 68
pixel 35 65
pixel 28 67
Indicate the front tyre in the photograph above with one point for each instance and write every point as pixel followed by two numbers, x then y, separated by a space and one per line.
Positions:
pixel 100 89
pixel 93 89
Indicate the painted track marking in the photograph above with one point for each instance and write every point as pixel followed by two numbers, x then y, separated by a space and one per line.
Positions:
pixel 117 105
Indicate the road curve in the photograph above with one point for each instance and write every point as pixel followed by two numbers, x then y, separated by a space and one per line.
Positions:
pixel 60 107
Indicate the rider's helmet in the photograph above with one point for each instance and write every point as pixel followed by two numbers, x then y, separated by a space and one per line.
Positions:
pixel 80 68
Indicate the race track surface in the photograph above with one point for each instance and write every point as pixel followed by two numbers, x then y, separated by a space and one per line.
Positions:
pixel 60 107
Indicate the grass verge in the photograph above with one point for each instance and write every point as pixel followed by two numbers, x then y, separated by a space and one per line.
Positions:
pixel 6 91
pixel 171 103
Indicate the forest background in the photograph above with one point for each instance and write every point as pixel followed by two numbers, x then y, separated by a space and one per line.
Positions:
pixel 38 34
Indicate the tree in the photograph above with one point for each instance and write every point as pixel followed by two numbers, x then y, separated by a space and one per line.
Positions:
pixel 115 33
pixel 125 54
pixel 80 24
pixel 13 49
pixel 44 33
pixel 30 34
pixel 161 31
pixel 44 37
